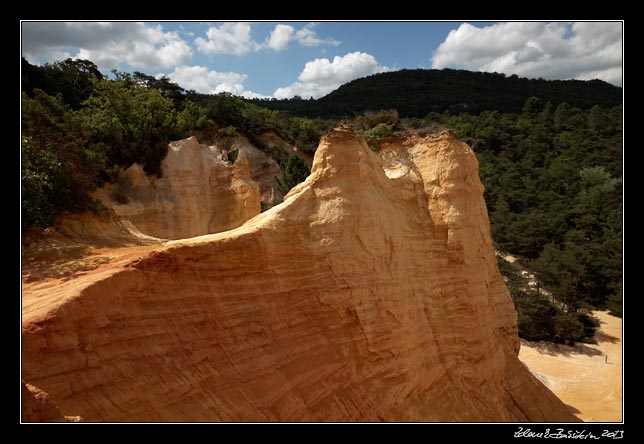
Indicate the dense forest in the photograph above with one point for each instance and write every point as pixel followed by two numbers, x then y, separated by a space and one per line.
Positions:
pixel 551 166
pixel 417 92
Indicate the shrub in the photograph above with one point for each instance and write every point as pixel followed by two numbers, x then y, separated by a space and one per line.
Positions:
pixel 119 196
pixel 379 131
pixel 373 135
pixel 229 132
pixel 232 155
pixel 371 119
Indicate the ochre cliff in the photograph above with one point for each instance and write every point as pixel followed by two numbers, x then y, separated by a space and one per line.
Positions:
pixel 371 294
pixel 199 193
pixel 263 170
pixel 37 407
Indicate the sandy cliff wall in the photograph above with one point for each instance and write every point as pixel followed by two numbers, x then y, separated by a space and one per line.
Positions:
pixel 263 170
pixel 37 407
pixel 371 294
pixel 199 193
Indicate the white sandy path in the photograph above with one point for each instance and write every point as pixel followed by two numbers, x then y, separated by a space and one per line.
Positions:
pixel 579 375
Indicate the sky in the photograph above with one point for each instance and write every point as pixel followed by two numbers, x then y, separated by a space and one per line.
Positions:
pixel 311 59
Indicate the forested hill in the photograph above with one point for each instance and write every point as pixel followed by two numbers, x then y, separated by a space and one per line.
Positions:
pixel 417 92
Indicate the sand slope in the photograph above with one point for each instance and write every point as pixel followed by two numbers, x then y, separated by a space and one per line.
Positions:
pixel 580 375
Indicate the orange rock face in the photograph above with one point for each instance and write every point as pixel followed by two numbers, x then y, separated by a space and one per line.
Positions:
pixel 371 294
pixel 37 406
pixel 263 170
pixel 199 193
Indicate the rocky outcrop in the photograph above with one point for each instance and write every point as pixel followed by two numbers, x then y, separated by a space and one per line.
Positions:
pixel 199 193
pixel 101 228
pixel 50 252
pixel 37 407
pixel 371 294
pixel 263 170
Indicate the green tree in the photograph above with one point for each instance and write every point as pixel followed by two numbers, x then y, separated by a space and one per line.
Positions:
pixel 532 107
pixel 71 79
pixel 561 116
pixel 568 328
pixel 536 316
pixel 294 171
pixel 41 178
pixel 191 118
pixel 132 123
pixel 57 167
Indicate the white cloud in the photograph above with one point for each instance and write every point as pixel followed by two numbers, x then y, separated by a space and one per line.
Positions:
pixel 321 76
pixel 107 44
pixel 203 80
pixel 280 37
pixel 228 38
pixel 582 50
pixel 254 95
pixel 307 37
pixel 235 38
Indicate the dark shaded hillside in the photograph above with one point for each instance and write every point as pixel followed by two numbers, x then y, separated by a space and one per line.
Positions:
pixel 417 92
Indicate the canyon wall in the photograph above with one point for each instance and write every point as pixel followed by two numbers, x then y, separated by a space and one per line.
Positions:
pixel 371 294
pixel 263 170
pixel 199 192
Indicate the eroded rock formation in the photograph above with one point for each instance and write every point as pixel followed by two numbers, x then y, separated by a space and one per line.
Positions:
pixel 263 170
pixel 37 406
pixel 371 294
pixel 199 193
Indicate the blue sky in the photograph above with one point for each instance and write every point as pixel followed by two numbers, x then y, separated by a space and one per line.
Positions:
pixel 283 59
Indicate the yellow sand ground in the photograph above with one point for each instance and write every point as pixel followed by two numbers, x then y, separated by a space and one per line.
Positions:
pixel 587 377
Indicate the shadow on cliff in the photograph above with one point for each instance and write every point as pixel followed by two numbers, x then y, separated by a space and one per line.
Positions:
pixel 59 263
pixel 64 269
